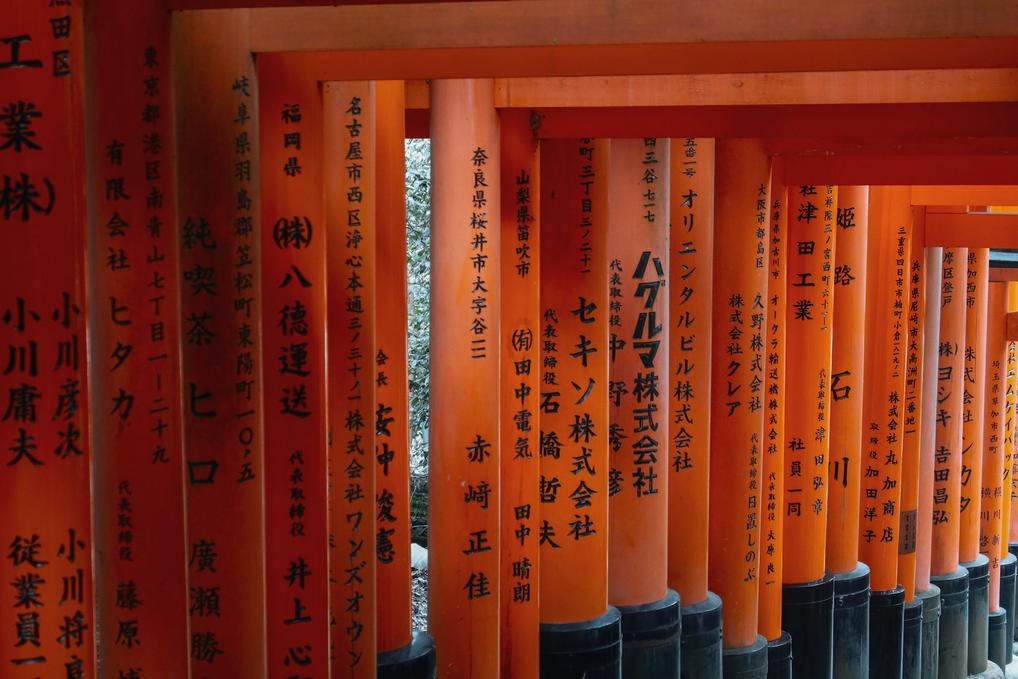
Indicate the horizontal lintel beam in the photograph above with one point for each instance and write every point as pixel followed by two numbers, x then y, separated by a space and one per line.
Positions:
pixel 972 230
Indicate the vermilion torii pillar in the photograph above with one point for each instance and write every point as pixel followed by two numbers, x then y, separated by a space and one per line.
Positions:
pixel 1010 529
pixel 888 262
pixel 46 616
pixel 808 593
pixel 580 632
pixel 952 580
pixel 738 343
pixel 520 391
pixel 689 308
pixel 464 589
pixel 851 578
pixel 293 247
pixel 638 179
pixel 141 558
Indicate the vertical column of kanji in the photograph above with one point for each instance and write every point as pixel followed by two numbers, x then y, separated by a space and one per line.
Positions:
pixel 991 511
pixel 638 180
pixel 47 626
pixel 691 250
pixel 952 580
pixel 465 268
pixel 779 643
pixel 579 631
pixel 1010 459
pixel 216 131
pixel 139 513
pixel 293 248
pixel 851 578
pixel 520 387
pixel 739 317
pixel 883 384
pixel 350 203
pixel 808 595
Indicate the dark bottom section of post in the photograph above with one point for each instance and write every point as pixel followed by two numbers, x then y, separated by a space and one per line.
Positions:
pixel 887 630
pixel 930 645
pixel 979 610
pixel 779 657
pixel 997 638
pixel 953 649
pixel 748 662
pixel 591 649
pixel 650 638
pixel 416 660
pixel 912 641
pixel 807 611
pixel 1008 579
pixel 852 623
pixel 701 639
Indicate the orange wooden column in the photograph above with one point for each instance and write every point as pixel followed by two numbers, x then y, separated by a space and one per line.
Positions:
pixel 773 474
pixel 520 390
pixel 349 128
pixel 991 512
pixel 846 379
pixel 221 354
pixel 293 247
pixel 1010 458
pixel 973 402
pixel 464 586
pixel 739 319
pixel 141 557
pixel 46 625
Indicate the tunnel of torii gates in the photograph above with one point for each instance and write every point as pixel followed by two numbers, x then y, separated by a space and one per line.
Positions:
pixel 723 361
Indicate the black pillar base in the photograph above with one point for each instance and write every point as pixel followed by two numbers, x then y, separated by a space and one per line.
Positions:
pixel 979 611
pixel 650 638
pixel 779 657
pixel 1008 570
pixel 887 628
pixel 912 641
pixel 930 646
pixel 953 649
pixel 701 639
pixel 852 623
pixel 748 662
pixel 807 611
pixel 416 660
pixel 997 637
pixel 591 649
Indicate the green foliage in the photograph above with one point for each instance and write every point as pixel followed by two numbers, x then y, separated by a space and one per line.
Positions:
pixel 418 214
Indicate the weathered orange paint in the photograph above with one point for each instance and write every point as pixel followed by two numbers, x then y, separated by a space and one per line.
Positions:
pixel 293 250
pixel 1010 530
pixel 638 183
pixel 737 396
pixel 973 416
pixel 991 512
pixel 809 322
pixel 846 375
pixel 464 543
pixel 575 309
pixel 689 351
pixel 520 388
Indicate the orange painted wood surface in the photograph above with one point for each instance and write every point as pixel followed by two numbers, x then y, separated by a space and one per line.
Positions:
pixel 691 248
pixel 991 512
pixel 739 318
pixel 982 230
pixel 47 626
pixel 1010 458
pixel 573 532
pixel 638 181
pixel 141 553
pixel 349 131
pixel 520 326
pixel 973 407
pixel 846 378
pixel 809 323
pixel 293 247
pixel 464 593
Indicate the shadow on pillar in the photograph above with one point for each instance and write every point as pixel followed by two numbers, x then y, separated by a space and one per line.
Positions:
pixel 779 657
pixel 416 660
pixel 650 638
pixel 978 613
pixel 997 638
pixel 953 647
pixel 808 613
pixel 930 645
pixel 1008 582
pixel 591 649
pixel 912 640
pixel 852 623
pixel 701 639
pixel 887 633
pixel 748 662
